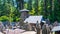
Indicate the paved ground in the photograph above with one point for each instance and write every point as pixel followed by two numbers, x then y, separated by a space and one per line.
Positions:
pixel 29 32
pixel 20 31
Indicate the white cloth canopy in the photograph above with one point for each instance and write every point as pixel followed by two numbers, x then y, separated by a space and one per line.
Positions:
pixel 56 28
pixel 33 19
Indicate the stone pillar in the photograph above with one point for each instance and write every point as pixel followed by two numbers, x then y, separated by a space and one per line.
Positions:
pixel 24 15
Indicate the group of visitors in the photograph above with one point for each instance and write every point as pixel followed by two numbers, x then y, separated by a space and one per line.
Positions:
pixel 41 28
pixel 8 26
pixel 45 28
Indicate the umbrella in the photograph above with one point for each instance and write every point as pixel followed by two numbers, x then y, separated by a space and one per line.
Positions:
pixel 18 31
pixel 9 31
pixel 1 33
pixel 29 32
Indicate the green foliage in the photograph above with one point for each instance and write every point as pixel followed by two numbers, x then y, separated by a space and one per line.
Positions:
pixel 8 12
pixel 51 11
pixel 4 18
pixel 36 7
pixel 18 19
pixel 32 11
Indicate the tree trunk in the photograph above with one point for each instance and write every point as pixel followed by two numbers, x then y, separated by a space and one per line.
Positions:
pixel 45 8
pixel 20 4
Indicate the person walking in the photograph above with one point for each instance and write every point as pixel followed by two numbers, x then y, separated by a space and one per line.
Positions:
pixel 45 29
pixel 55 23
pixel 38 28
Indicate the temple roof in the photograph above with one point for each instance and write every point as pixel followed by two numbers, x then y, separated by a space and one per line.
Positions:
pixel 24 10
pixel 33 19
